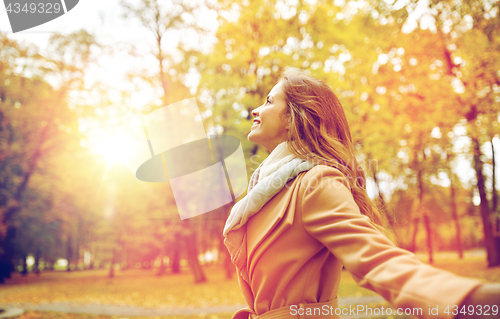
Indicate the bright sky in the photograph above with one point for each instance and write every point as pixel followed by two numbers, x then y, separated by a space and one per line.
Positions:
pixel 105 20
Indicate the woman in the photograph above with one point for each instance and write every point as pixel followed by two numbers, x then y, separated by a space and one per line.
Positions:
pixel 307 214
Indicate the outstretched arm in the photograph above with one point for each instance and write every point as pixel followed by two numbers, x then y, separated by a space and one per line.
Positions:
pixel 330 214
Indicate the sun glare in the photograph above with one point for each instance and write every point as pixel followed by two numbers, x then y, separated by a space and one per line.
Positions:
pixel 113 147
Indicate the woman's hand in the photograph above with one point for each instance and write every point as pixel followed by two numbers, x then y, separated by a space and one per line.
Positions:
pixel 484 297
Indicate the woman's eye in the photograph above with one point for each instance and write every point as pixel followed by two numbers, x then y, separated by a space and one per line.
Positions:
pixel 268 101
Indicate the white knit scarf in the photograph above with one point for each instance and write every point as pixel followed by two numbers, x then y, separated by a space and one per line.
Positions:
pixel 278 157
pixel 277 169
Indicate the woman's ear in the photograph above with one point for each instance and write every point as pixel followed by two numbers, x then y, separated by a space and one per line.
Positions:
pixel 288 121
pixel 286 118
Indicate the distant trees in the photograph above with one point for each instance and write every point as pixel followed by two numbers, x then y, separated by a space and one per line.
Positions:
pixel 36 126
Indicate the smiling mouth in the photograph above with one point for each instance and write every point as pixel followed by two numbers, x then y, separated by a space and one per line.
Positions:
pixel 256 122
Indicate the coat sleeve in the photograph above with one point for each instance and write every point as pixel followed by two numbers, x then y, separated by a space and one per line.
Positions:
pixel 330 214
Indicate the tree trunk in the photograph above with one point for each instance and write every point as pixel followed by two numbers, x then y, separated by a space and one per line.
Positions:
pixel 455 219
pixel 176 256
pixel 228 264
pixel 494 199
pixel 492 248
pixel 192 252
pixel 417 213
pixel 161 270
pixel 69 251
pixel 161 58
pixel 6 266
pixel 112 266
pixel 428 230
pixel 383 206
pixel 494 195
pixel 36 266
pixel 423 211
pixel 416 220
pixel 24 272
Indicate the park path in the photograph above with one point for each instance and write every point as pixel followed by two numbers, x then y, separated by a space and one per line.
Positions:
pixel 132 311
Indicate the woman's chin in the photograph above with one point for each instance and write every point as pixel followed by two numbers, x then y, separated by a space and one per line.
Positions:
pixel 252 138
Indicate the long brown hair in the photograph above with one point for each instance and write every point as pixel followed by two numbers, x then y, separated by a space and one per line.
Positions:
pixel 319 131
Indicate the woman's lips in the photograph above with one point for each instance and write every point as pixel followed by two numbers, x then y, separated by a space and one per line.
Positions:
pixel 255 123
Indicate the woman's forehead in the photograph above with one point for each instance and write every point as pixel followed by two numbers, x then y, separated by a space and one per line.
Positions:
pixel 277 90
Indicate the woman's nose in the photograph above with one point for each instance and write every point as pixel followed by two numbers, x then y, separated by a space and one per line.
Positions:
pixel 255 113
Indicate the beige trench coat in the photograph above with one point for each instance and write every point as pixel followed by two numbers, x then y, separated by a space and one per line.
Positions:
pixel 298 242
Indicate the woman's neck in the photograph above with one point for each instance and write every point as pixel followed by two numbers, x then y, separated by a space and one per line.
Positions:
pixel 278 157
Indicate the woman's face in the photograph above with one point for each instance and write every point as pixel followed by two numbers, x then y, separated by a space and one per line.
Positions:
pixel 269 129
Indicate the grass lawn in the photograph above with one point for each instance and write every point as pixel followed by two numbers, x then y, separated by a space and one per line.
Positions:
pixel 132 287
pixel 136 287
pixel 476 267
pixel 143 288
